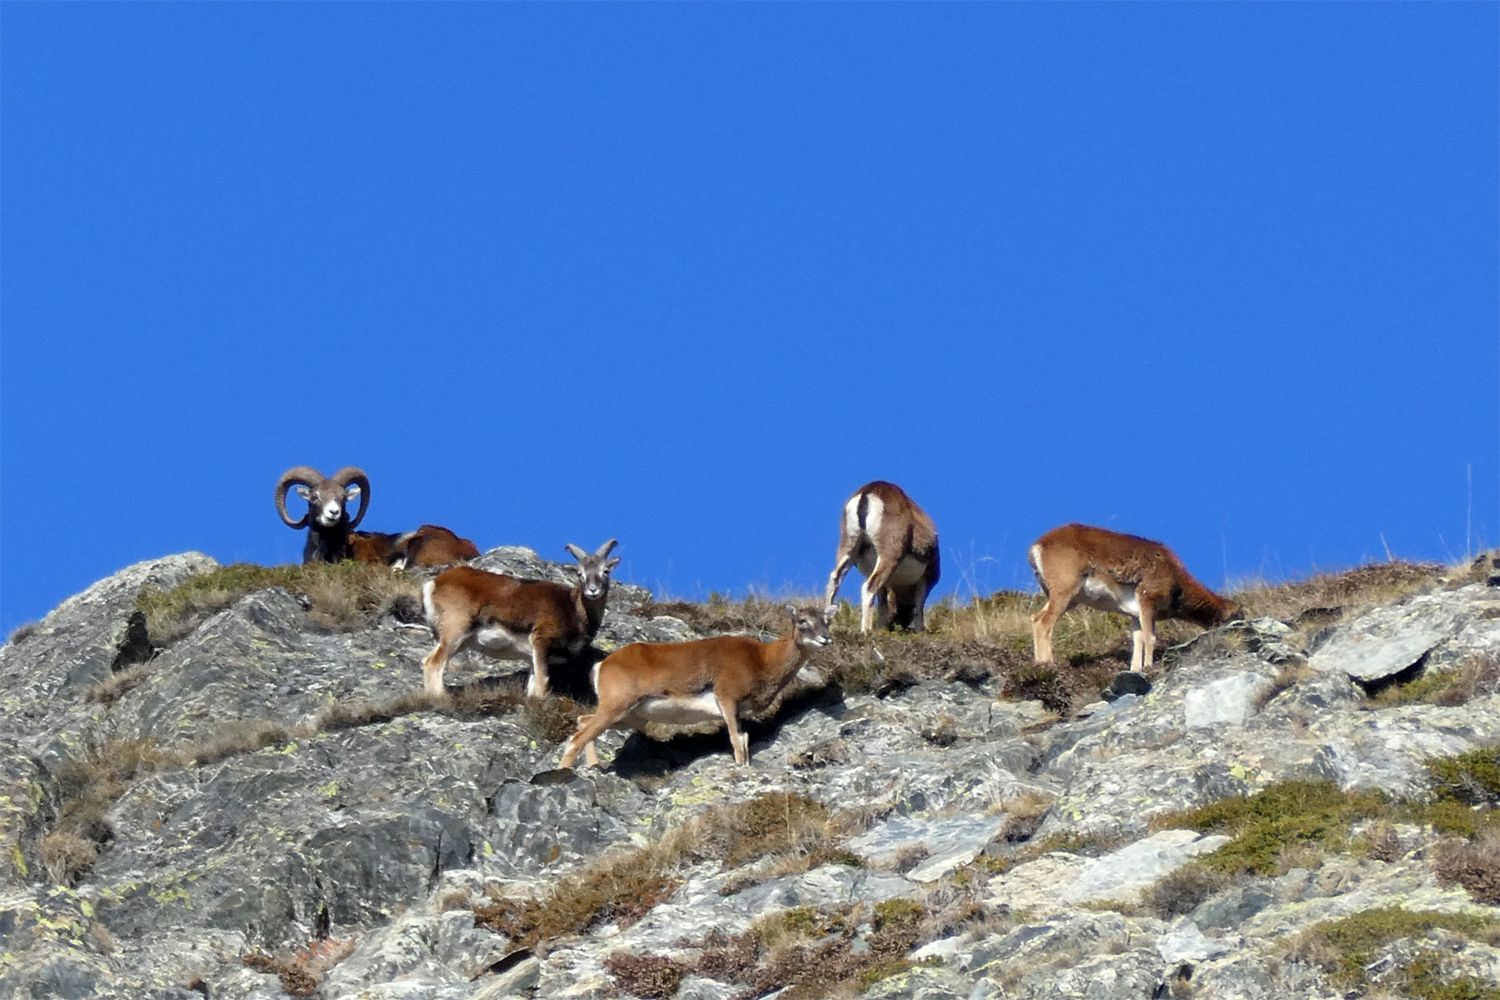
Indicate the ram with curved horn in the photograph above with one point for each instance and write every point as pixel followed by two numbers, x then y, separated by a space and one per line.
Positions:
pixel 515 619
pixel 327 519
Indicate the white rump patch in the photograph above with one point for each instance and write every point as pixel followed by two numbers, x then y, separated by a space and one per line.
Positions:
pixel 427 589
pixel 873 514
pixel 851 516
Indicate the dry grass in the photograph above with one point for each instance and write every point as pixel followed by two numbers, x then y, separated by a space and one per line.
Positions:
pixel 21 633
pixel 1476 867
pixel 624 885
pixel 1081 635
pixel 1024 814
pixel 890 662
pixel 1345 948
pixel 116 685
pixel 102 938
pixel 756 614
pixel 1180 892
pixel 1475 677
pixel 343 596
pixel 300 972
pixel 89 784
pixel 810 954
pixel 1290 674
pixel 1348 591
pixel 1380 843
pixel 654 977
pixel 66 854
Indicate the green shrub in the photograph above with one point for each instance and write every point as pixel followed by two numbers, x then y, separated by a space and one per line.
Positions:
pixel 1279 818
pixel 1346 947
pixel 1472 777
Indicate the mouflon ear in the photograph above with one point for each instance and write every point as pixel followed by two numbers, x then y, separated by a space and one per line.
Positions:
pixel 829 612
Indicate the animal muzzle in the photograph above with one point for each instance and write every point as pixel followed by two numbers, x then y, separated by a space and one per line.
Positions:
pixel 330 514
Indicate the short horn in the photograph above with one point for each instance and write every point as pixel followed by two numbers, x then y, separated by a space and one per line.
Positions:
pixel 352 475
pixel 576 552
pixel 605 548
pixel 298 475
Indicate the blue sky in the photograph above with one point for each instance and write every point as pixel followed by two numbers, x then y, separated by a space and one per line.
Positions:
pixel 1223 275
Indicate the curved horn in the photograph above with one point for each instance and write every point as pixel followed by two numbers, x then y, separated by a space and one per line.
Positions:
pixel 576 552
pixel 352 475
pixel 604 549
pixel 303 475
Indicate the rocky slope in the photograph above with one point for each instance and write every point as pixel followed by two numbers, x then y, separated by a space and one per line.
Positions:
pixel 264 808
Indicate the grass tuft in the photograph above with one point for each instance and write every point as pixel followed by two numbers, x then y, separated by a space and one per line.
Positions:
pixel 1476 867
pixel 21 633
pixel 1345 592
pixel 344 596
pixel 1181 892
pixel 654 977
pixel 1274 828
pixel 300 972
pixel 1472 778
pixel 1478 675
pixel 623 886
pixel 1345 948
pixel 814 954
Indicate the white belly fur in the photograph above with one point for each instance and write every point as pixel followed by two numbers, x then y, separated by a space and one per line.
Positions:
pixel 501 642
pixel 908 572
pixel 691 711
pixel 1099 594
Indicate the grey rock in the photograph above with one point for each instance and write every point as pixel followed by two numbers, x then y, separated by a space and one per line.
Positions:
pixel 1231 908
pixel 1121 875
pixel 1445 626
pixel 77 643
pixel 1229 699
pixel 1371 658
pixel 381 831
pixel 543 824
pixel 28 804
pixel 1184 942
pixel 1126 682
pixel 698 988
pixel 949 842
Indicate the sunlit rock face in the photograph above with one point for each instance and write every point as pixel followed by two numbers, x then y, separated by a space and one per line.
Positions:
pixel 264 805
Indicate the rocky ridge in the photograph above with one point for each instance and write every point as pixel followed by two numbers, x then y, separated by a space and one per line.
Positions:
pixel 269 844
